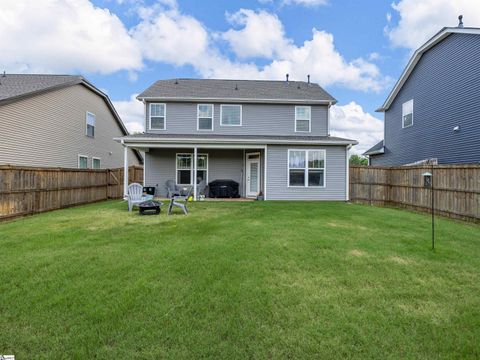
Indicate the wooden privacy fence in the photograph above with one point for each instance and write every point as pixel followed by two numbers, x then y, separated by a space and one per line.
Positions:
pixel 456 188
pixel 30 190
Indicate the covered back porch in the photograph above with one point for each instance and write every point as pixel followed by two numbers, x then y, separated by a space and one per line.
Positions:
pixel 195 165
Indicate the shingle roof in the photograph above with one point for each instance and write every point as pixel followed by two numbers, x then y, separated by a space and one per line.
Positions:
pixel 238 138
pixel 13 86
pixel 254 90
pixel 375 149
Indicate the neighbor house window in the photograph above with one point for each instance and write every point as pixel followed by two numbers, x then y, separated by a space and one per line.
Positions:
pixel 82 162
pixel 185 168
pixel 157 119
pixel 95 163
pixel 204 117
pixel 303 115
pixel 90 129
pixel 407 114
pixel 231 115
pixel 306 168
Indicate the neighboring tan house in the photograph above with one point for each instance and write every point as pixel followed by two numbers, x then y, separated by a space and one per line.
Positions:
pixel 58 121
pixel 268 137
pixel 433 112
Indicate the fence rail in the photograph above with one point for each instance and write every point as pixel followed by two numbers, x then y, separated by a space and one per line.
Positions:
pixel 456 188
pixel 30 190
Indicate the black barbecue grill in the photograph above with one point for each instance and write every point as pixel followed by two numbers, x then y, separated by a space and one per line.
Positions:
pixel 223 189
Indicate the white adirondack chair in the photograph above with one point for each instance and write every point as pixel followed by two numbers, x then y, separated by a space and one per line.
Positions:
pixel 135 195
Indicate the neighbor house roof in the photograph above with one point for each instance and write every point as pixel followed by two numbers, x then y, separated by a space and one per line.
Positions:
pixel 438 37
pixel 14 87
pixel 150 138
pixel 376 149
pixel 256 91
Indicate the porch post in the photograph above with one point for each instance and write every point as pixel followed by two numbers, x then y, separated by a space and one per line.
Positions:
pixel 195 173
pixel 125 171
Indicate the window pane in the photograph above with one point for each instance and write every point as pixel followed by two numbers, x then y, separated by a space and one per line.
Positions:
pixel 407 107
pixel 157 122
pixel 184 161
pixel 157 110
pixel 297 178
pixel 202 162
pixel 297 159
pixel 315 159
pixel 407 120
pixel 231 114
pixel 302 112
pixel 90 119
pixel 90 130
pixel 315 177
pixel 201 175
pixel 205 111
pixel 96 163
pixel 83 162
pixel 205 123
pixel 303 125
pixel 184 177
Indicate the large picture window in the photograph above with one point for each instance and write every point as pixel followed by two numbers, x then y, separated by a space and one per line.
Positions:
pixel 306 168
pixel 204 117
pixel 407 114
pixel 157 118
pixel 231 115
pixel 185 168
pixel 303 117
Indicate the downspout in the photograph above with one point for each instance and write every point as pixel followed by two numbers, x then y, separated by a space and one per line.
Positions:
pixel 347 176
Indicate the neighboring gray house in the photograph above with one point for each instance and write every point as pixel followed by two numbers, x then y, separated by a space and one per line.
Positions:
pixel 58 121
pixel 433 112
pixel 268 136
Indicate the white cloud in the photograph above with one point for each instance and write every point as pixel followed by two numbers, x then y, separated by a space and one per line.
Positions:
pixel 419 20
pixel 308 3
pixel 64 36
pixel 132 113
pixel 352 122
pixel 166 35
pixel 262 34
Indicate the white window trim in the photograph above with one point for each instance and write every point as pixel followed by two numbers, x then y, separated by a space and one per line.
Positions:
pixel 306 186
pixel 198 117
pixel 99 159
pixel 403 122
pixel 86 124
pixel 78 161
pixel 150 116
pixel 309 120
pixel 221 112
pixel 191 167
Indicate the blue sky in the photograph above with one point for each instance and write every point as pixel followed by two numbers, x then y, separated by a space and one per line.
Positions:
pixel 354 49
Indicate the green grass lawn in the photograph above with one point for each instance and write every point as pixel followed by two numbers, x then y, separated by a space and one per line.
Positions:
pixel 239 280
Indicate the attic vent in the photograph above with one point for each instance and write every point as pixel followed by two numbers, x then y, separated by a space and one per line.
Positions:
pixel 460 22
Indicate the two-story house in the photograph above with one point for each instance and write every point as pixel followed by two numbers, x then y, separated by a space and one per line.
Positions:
pixel 433 112
pixel 59 121
pixel 268 136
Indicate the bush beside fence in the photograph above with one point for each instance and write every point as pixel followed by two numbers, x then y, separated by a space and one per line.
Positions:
pixel 456 188
pixel 30 190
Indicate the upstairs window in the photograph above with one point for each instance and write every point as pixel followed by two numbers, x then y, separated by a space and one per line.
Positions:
pixel 82 162
pixel 157 118
pixel 303 115
pixel 204 117
pixel 306 168
pixel 407 114
pixel 231 115
pixel 90 129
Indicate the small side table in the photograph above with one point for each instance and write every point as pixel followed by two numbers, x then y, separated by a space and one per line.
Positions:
pixel 149 207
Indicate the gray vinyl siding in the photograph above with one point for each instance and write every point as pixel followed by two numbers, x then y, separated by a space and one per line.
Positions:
pixel 222 164
pixel 277 175
pixel 49 130
pixel 445 88
pixel 263 119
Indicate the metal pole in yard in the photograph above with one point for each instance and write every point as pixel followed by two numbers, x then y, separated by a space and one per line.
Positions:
pixel 433 212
